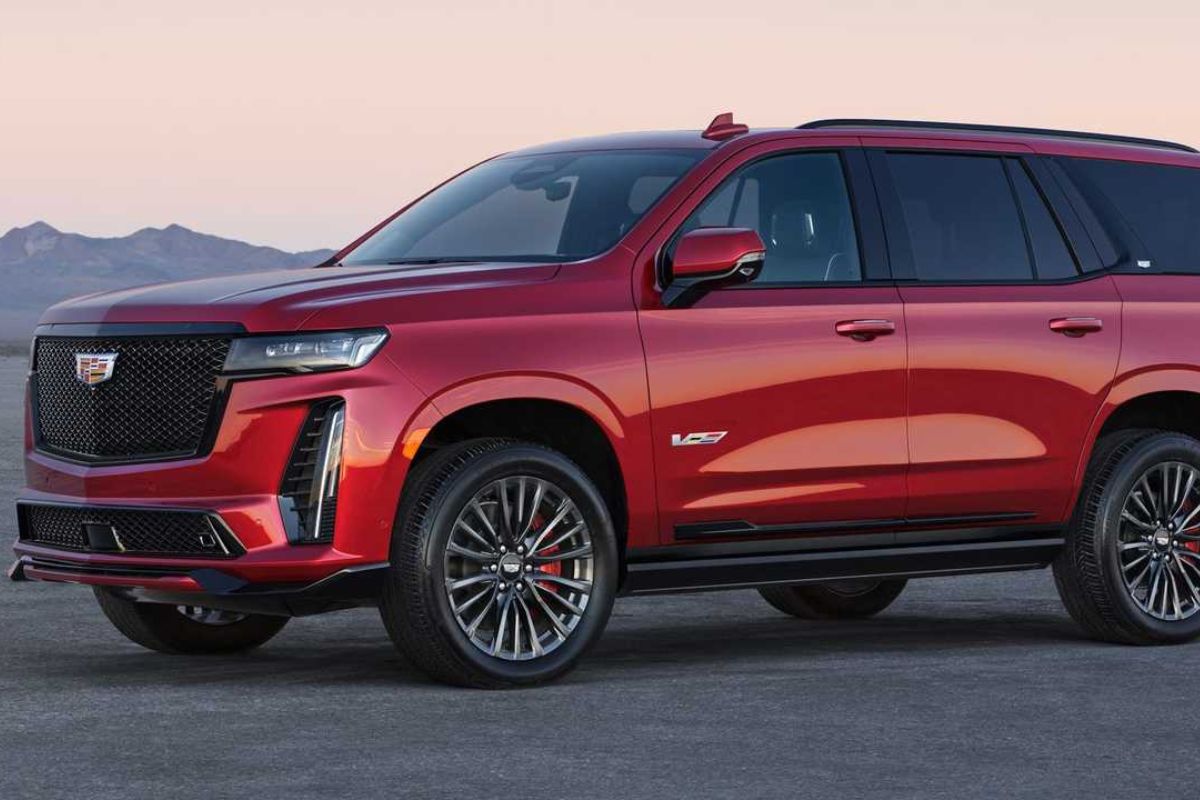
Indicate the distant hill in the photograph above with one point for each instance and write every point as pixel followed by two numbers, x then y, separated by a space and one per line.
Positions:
pixel 40 265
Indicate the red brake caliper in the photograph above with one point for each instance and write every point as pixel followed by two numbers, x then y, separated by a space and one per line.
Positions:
pixel 552 568
pixel 1193 546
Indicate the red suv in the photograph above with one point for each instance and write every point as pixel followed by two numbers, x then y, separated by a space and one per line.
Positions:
pixel 817 362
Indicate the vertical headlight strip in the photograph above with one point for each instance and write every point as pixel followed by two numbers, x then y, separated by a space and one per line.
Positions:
pixel 309 492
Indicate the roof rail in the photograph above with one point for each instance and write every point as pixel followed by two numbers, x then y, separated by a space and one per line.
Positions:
pixel 960 126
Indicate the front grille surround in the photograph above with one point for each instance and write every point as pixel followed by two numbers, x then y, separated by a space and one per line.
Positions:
pixel 166 532
pixel 162 402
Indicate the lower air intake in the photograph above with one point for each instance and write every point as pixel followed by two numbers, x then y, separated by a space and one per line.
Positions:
pixel 127 531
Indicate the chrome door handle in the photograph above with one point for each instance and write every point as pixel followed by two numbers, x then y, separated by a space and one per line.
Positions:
pixel 1076 326
pixel 864 330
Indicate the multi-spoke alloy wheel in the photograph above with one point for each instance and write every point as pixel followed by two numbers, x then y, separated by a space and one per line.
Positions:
pixel 1159 543
pixel 503 565
pixel 519 568
pixel 1129 571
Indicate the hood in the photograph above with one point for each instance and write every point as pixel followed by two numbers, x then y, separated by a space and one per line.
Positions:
pixel 285 299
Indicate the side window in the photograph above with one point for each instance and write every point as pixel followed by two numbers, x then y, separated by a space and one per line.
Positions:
pixel 961 217
pixel 1052 258
pixel 1160 203
pixel 800 207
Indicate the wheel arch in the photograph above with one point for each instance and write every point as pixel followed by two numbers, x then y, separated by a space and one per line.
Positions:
pixel 1163 399
pixel 565 415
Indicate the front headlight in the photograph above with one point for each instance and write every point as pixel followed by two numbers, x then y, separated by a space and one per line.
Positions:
pixel 304 352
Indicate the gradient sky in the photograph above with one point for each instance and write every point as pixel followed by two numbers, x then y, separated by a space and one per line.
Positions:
pixel 301 123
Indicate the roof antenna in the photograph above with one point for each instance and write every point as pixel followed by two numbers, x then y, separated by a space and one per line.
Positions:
pixel 723 127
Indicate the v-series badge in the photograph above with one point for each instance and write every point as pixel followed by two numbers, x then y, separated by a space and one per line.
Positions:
pixel 685 439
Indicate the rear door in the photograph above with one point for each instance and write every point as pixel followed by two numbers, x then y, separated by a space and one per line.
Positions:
pixel 1012 342
pixel 767 421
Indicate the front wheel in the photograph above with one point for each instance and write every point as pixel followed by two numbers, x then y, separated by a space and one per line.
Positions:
pixel 1130 570
pixel 191 630
pixel 504 565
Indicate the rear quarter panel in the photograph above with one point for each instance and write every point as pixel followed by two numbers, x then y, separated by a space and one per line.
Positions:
pixel 1160 345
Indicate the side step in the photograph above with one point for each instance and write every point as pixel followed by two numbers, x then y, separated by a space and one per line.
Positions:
pixel 698 568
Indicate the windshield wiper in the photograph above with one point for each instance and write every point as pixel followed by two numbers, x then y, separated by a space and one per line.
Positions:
pixel 404 261
pixel 424 261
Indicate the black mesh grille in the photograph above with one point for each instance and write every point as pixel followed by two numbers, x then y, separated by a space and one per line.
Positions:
pixel 157 404
pixel 138 531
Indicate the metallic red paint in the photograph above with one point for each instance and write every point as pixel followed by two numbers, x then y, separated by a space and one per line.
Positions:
pixel 999 404
pixel 972 404
pixel 714 251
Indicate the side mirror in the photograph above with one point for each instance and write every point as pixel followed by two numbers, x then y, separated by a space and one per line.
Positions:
pixel 708 258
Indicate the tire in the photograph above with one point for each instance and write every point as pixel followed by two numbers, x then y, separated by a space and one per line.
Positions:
pixel 835 600
pixel 1098 582
pixel 170 629
pixel 471 648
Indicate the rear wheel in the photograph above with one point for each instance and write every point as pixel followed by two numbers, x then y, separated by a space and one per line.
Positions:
pixel 504 565
pixel 1130 570
pixel 850 599
pixel 186 629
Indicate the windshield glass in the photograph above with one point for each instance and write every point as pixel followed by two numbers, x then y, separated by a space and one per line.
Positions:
pixel 554 207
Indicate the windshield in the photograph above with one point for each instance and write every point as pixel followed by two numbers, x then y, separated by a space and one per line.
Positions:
pixel 554 207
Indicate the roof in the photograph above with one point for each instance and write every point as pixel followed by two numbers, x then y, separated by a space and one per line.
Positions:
pixel 876 125
pixel 1040 140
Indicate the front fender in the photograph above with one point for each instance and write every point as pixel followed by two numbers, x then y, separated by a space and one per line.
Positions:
pixel 629 436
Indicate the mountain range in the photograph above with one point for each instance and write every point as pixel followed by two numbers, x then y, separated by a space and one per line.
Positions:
pixel 40 265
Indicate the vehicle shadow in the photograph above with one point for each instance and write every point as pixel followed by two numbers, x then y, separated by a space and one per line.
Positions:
pixel 360 654
pixel 781 639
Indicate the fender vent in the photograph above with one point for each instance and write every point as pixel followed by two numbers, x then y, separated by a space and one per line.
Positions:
pixel 308 495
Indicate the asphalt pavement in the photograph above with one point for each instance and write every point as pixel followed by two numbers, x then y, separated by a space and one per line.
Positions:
pixel 966 687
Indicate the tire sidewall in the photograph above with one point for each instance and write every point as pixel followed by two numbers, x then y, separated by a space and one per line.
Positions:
pixel 448 503
pixel 1155 450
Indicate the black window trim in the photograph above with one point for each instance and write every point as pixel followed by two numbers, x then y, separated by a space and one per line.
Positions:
pixel 900 252
pixel 1060 214
pixel 1070 214
pixel 867 218
pixel 1006 164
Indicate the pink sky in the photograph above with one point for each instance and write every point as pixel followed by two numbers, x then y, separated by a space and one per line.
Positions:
pixel 300 123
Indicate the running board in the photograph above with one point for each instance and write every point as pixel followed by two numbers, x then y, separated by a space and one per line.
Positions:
pixel 690 569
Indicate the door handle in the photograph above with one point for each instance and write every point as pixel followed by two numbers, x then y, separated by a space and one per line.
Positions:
pixel 864 330
pixel 1076 326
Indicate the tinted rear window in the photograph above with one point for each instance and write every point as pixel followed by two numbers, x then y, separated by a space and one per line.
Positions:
pixel 961 218
pixel 1160 204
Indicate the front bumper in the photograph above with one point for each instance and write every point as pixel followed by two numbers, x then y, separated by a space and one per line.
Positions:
pixel 212 588
pixel 239 481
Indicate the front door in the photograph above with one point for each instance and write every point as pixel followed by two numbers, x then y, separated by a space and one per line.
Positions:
pixel 771 417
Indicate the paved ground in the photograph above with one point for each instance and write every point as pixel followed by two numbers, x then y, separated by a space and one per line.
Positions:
pixel 972 687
